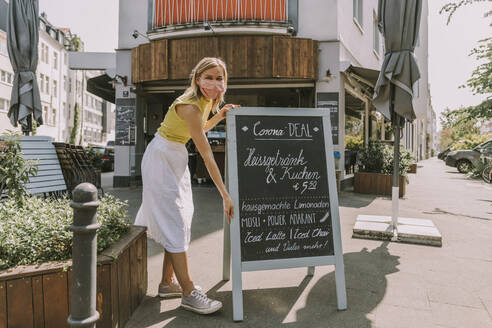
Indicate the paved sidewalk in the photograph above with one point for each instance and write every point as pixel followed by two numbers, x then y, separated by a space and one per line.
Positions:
pixel 388 284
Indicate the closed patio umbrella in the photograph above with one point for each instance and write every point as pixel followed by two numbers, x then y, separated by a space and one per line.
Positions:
pixel 399 22
pixel 22 44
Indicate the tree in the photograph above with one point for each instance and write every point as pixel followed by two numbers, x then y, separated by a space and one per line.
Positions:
pixel 480 81
pixel 76 122
pixel 451 7
pixel 457 126
pixel 75 43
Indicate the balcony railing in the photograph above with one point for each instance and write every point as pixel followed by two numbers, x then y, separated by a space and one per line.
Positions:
pixel 168 13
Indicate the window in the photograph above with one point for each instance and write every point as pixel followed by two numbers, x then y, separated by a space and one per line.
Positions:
pixel 53 117
pixel 47 86
pixel 357 13
pixel 69 111
pixel 416 89
pixel 70 84
pixel 65 83
pixel 6 77
pixel 41 82
pixel 4 105
pixel 375 41
pixel 55 88
pixel 46 54
pixel 55 60
pixel 3 47
pixel 45 114
pixel 43 53
pixel 65 58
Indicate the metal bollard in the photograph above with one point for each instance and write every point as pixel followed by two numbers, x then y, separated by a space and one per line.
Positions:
pixel 84 256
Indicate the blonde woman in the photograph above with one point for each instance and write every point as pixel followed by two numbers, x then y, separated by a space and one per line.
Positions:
pixel 167 204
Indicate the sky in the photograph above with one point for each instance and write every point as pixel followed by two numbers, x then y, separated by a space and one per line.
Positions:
pixel 96 22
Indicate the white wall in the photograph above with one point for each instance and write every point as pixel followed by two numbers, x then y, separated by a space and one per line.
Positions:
pixel 132 16
pixel 357 42
pixel 318 19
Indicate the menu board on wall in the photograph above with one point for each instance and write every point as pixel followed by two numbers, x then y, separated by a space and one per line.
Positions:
pixel 330 100
pixel 125 121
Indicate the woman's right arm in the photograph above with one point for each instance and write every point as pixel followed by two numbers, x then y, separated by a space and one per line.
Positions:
pixel 193 117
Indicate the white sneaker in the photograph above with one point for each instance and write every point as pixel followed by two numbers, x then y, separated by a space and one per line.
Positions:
pixel 173 289
pixel 199 302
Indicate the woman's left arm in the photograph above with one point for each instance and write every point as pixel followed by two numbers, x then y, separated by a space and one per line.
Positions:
pixel 221 114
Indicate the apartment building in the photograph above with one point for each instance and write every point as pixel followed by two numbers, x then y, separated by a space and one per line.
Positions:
pixel 60 89
pixel 280 53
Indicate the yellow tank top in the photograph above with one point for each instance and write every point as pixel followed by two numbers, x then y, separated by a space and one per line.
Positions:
pixel 174 128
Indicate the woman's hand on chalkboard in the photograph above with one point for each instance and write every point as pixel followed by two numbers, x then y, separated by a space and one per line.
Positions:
pixel 223 111
pixel 228 207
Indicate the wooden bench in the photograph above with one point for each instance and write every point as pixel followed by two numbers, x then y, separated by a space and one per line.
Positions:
pixel 49 180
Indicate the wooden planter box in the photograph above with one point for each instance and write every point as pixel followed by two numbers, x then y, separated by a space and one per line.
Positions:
pixel 413 168
pixel 377 183
pixel 35 296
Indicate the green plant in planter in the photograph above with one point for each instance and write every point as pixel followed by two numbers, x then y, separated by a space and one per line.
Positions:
pixel 95 158
pixel 354 142
pixel 378 158
pixel 38 230
pixel 14 169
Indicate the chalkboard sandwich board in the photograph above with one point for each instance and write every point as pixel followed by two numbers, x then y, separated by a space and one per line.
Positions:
pixel 281 176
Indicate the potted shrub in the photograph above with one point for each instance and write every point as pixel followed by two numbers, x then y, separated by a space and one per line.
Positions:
pixel 35 251
pixel 375 174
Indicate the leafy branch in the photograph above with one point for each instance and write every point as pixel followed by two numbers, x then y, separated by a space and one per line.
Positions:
pixel 451 8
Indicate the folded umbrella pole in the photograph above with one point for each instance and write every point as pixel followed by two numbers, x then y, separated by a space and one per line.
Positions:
pixel 22 45
pixel 399 22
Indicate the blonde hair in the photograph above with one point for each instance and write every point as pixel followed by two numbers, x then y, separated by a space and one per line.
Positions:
pixel 193 91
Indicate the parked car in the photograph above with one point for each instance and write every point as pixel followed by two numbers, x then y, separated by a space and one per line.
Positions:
pixel 108 159
pixel 464 160
pixel 442 155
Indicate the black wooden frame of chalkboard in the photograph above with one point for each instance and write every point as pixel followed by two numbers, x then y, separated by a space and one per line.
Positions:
pixel 232 236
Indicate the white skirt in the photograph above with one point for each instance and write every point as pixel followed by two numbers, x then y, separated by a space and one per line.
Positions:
pixel 167 200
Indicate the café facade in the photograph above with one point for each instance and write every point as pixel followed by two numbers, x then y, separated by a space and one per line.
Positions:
pixel 279 53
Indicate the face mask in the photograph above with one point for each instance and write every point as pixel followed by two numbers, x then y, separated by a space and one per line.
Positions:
pixel 211 89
